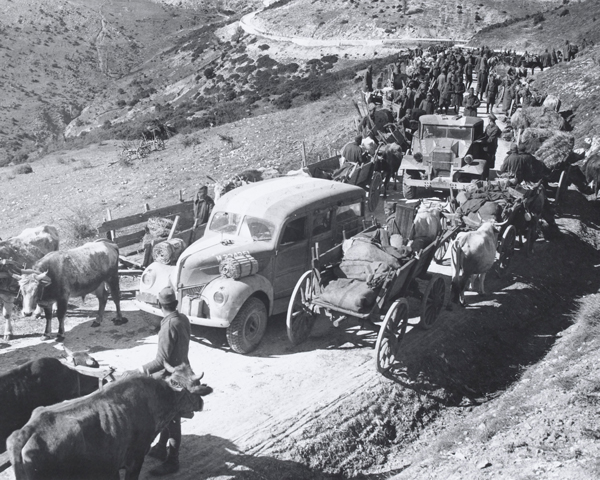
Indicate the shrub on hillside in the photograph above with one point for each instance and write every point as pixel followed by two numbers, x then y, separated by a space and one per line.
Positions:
pixel 80 224
pixel 209 73
pixel 23 169
pixel 283 102
pixel 263 47
pixel 266 62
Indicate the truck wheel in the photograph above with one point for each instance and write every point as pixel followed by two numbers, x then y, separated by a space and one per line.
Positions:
pixel 408 191
pixel 248 327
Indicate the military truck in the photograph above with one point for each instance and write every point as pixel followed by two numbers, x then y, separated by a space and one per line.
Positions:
pixel 447 152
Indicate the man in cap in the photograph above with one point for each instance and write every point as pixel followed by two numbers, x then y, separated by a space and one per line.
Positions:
pixel 352 152
pixel 513 165
pixel 428 105
pixel 173 348
pixel 492 134
pixel 471 102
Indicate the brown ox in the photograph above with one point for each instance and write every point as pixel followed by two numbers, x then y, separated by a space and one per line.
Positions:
pixel 95 436
pixel 19 252
pixel 72 273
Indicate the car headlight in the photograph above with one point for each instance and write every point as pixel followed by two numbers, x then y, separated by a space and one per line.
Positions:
pixel 219 298
pixel 148 278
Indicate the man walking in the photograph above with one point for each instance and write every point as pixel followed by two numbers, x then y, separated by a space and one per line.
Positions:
pixel 173 348
pixel 471 103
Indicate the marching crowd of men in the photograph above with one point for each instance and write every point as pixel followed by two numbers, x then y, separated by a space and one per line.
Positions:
pixel 444 83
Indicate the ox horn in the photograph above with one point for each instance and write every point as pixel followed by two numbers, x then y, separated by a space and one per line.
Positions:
pixel 29 271
pixel 43 278
pixel 500 224
pixel 196 379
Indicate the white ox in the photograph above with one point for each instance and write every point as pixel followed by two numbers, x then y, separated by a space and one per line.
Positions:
pixel 20 252
pixel 472 255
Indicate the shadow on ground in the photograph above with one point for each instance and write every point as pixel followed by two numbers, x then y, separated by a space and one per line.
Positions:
pixel 478 351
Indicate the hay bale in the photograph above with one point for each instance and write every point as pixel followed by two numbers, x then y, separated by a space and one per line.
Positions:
pixel 552 102
pixel 168 252
pixel 556 150
pixel 533 138
pixel 537 117
pixel 157 228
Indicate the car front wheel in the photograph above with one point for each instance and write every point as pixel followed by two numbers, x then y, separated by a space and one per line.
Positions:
pixel 248 327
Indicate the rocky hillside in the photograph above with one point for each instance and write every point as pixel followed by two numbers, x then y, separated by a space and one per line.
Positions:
pixel 380 19
pixel 58 56
pixel 570 21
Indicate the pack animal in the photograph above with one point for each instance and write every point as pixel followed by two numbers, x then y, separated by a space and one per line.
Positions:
pixel 20 252
pixel 95 436
pixel 38 383
pixel 72 273
pixel 472 256
pixel 388 162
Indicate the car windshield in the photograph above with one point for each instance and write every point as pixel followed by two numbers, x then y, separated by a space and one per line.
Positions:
pixel 460 133
pixel 253 228
pixel 437 131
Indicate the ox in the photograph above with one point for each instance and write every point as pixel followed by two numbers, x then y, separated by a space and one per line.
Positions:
pixel 426 226
pixel 95 436
pixel 72 273
pixel 19 252
pixel 388 162
pixel 38 383
pixel 472 255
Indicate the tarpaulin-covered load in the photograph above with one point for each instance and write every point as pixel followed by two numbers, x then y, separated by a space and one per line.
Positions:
pixel 361 273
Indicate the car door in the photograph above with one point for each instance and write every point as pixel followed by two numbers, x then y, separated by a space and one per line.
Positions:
pixel 292 257
pixel 321 229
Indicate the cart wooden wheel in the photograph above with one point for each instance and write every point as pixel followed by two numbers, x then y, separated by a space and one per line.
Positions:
pixel 507 247
pixel 301 313
pixel 440 253
pixel 433 301
pixel 391 334
pixel 563 185
pixel 374 191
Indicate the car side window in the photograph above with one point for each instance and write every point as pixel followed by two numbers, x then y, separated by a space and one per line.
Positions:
pixel 294 231
pixel 348 212
pixel 321 222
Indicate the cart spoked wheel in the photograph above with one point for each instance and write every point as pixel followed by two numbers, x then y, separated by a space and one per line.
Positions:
pixel 531 236
pixel 375 191
pixel 440 252
pixel 507 247
pixel 391 334
pixel 301 314
pixel 433 301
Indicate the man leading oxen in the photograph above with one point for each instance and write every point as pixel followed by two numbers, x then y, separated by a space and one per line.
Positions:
pixel 20 252
pixel 472 256
pixel 72 273
pixel 95 436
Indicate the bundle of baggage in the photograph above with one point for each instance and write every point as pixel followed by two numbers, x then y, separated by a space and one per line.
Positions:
pixel 366 265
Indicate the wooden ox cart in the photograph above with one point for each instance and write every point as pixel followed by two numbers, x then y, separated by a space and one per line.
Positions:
pixel 390 306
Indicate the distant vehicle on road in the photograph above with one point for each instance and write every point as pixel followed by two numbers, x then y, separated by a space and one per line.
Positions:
pixel 446 153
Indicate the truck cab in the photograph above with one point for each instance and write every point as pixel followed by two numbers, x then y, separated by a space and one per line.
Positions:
pixel 264 232
pixel 446 152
